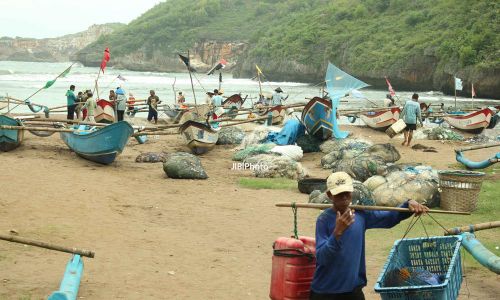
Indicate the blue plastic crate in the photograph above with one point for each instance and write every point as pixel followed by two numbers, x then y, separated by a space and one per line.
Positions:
pixel 439 255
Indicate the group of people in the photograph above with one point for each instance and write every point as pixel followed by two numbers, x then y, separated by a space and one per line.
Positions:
pixel 76 104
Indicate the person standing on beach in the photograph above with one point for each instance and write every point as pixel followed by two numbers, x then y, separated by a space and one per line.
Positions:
pixel 131 102
pixel 181 99
pixel 71 102
pixel 278 97
pixel 153 102
pixel 121 103
pixel 217 104
pixel 78 105
pixel 410 115
pixel 340 241
pixel 91 106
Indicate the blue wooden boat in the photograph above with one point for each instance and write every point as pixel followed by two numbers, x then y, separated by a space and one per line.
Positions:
pixel 316 117
pixel 99 145
pixel 10 139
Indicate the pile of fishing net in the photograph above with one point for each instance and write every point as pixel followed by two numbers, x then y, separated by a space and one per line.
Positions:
pixel 417 183
pixel 274 166
pixel 231 135
pixel 360 196
pixel 258 136
pixel 345 144
pixel 361 161
pixel 309 143
pixel 182 165
pixel 441 133
pixel 253 150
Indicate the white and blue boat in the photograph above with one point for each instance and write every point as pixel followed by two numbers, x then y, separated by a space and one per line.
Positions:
pixel 101 145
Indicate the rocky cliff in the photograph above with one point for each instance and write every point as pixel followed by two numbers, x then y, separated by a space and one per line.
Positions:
pixel 52 49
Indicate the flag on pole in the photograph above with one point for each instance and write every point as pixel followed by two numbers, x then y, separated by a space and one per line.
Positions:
pixel 391 90
pixel 63 74
pixel 458 84
pixel 105 59
pixel 258 70
pixel 222 63
pixel 185 60
pixel 121 77
pixel 473 91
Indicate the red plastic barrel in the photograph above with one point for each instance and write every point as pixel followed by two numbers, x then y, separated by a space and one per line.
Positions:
pixel 294 262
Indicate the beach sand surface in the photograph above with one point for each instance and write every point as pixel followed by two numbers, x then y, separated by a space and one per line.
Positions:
pixel 160 238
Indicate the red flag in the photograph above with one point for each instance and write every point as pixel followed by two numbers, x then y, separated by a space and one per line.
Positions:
pixel 391 90
pixel 105 59
pixel 473 91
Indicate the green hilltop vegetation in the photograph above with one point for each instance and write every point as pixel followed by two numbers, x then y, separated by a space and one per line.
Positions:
pixel 368 38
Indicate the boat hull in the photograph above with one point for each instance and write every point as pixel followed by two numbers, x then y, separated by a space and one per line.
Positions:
pixel 474 122
pixel 200 137
pixel 105 112
pixel 100 146
pixel 316 117
pixel 381 120
pixel 278 113
pixel 10 139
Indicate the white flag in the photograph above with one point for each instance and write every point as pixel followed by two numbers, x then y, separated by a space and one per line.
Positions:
pixel 458 84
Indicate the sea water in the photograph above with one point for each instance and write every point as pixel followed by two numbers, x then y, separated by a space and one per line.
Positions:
pixel 21 79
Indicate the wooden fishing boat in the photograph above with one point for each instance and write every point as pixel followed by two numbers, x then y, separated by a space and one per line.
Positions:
pixel 10 139
pixel 105 112
pixel 316 117
pixel 232 105
pixel 278 112
pixel 200 137
pixel 381 119
pixel 99 145
pixel 474 122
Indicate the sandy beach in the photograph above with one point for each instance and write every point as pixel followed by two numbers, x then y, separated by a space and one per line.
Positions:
pixel 160 238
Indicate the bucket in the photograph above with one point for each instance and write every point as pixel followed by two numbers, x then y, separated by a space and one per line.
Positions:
pixel 395 128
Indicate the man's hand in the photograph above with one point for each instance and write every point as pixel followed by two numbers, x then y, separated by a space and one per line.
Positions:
pixel 417 208
pixel 343 222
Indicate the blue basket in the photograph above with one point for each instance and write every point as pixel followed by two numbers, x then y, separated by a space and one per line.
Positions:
pixel 439 255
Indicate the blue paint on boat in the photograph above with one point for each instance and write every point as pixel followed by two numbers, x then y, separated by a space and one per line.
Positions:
pixel 99 145
pixel 316 118
pixel 70 283
pixel 480 253
pixel 10 139
pixel 477 164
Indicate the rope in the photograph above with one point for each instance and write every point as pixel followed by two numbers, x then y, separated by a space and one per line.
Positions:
pixel 295 231
pixel 445 230
pixel 425 229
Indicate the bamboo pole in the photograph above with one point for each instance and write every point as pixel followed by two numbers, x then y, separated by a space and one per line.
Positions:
pixel 473 227
pixel 20 240
pixel 477 147
pixel 154 133
pixel 37 128
pixel 367 207
pixel 246 121
pixel 48 120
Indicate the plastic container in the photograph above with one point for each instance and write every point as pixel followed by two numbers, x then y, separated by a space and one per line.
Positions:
pixel 395 128
pixel 294 262
pixel 439 255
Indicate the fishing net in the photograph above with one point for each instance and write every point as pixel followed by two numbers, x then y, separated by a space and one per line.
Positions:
pixel 440 133
pixel 253 150
pixel 309 143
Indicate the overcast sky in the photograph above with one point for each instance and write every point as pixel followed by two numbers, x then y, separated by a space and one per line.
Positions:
pixel 53 18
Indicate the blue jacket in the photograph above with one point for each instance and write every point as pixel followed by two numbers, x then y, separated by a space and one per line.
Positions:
pixel 340 265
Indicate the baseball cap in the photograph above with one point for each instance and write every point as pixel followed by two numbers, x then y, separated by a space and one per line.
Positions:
pixel 339 182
